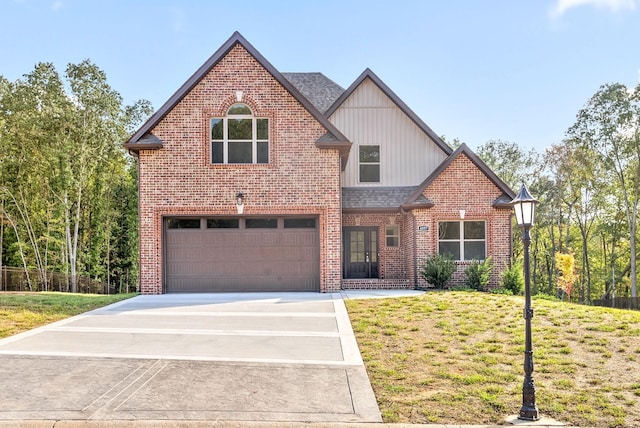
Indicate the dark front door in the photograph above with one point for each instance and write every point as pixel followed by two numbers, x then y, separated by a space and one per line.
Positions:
pixel 360 252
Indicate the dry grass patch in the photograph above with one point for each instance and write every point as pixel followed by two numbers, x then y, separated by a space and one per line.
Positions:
pixel 457 357
pixel 23 311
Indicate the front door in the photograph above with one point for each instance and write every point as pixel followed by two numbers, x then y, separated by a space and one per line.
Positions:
pixel 360 252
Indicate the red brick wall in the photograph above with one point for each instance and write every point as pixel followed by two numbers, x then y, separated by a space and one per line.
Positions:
pixel 463 186
pixel 179 179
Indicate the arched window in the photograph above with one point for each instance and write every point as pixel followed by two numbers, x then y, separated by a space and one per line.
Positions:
pixel 239 137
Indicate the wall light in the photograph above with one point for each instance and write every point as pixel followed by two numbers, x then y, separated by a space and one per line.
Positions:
pixel 240 202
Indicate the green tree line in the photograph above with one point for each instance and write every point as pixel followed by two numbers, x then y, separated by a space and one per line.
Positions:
pixel 588 186
pixel 68 189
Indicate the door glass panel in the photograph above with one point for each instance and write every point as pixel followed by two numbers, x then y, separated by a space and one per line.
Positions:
pixel 261 223
pixel 183 223
pixel 223 223
pixel 374 246
pixel 299 223
pixel 356 246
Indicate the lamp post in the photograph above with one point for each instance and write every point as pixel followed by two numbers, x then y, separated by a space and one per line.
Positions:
pixel 524 207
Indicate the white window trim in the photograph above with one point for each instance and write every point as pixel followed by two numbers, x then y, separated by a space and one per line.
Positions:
pixel 461 240
pixel 379 163
pixel 254 141
pixel 395 235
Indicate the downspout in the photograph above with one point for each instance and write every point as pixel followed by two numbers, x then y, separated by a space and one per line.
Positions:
pixel 415 252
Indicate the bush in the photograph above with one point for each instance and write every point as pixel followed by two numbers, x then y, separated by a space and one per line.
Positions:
pixel 478 274
pixel 501 290
pixel 513 279
pixel 438 271
pixel 544 296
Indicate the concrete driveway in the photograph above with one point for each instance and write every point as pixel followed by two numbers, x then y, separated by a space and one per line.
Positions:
pixel 208 357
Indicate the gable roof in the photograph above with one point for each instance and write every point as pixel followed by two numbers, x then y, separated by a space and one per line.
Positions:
pixel 368 74
pixel 317 88
pixel 332 139
pixel 503 201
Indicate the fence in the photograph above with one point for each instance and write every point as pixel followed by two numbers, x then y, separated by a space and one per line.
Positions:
pixel 15 279
pixel 619 303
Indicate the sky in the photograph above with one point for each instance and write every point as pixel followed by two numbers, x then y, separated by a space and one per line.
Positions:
pixel 475 70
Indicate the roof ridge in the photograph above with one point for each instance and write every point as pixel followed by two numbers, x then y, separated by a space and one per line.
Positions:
pixel 368 73
pixel 484 168
pixel 235 39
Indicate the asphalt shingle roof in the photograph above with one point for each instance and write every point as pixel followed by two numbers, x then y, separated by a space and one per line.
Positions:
pixel 321 91
pixel 375 197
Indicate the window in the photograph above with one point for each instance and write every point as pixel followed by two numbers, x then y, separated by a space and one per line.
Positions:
pixel 239 137
pixel 392 235
pixel 299 223
pixel 369 158
pixel 223 223
pixel 183 223
pixel 462 240
pixel 261 223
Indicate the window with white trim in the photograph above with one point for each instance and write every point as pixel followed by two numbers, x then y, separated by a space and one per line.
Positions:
pixel 239 137
pixel 462 239
pixel 392 235
pixel 369 159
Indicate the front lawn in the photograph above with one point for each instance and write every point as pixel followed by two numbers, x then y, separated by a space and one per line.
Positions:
pixel 457 358
pixel 23 311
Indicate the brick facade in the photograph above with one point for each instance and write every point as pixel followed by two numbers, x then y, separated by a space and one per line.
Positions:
pixel 302 178
pixel 463 186
pixel 180 180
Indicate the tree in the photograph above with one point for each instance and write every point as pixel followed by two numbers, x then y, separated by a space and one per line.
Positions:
pixel 510 162
pixel 609 127
pixel 67 187
pixel 567 277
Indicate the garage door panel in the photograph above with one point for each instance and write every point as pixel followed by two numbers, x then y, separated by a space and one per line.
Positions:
pixel 220 260
pixel 200 284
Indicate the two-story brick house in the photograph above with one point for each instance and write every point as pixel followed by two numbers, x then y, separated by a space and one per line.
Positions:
pixel 255 180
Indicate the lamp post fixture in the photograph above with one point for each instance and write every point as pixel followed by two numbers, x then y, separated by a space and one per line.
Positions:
pixel 524 207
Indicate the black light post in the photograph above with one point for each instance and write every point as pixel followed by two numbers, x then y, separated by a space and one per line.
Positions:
pixel 524 207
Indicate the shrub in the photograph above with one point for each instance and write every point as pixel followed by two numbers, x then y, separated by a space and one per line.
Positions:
pixel 544 296
pixel 513 279
pixel 438 271
pixel 501 290
pixel 478 274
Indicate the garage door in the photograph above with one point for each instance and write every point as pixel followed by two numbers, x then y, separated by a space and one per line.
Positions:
pixel 242 254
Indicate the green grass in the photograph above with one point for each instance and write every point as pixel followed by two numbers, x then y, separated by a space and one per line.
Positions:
pixel 457 358
pixel 23 311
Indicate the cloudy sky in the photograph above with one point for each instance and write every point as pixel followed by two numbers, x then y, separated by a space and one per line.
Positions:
pixel 474 70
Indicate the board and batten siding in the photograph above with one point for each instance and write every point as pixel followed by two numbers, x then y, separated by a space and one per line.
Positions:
pixel 370 117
